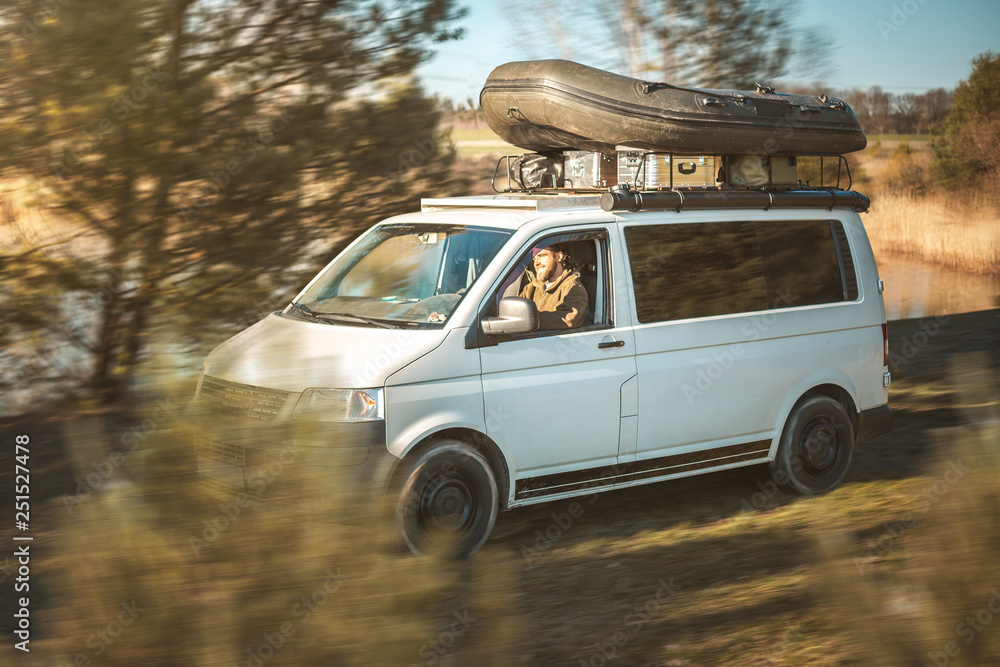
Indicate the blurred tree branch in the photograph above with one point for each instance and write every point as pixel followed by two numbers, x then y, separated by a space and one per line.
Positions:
pixel 708 43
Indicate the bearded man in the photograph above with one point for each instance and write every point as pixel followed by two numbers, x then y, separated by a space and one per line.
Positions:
pixel 557 291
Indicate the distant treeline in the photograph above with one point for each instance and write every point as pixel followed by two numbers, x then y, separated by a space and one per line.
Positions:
pixel 888 113
pixel 879 112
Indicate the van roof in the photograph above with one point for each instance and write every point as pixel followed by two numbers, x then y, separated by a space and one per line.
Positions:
pixel 526 202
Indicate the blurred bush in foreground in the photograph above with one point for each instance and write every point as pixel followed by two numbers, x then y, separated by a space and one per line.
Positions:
pixel 302 569
pixel 943 606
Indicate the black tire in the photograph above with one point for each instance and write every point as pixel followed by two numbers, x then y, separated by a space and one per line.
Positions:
pixel 448 500
pixel 816 447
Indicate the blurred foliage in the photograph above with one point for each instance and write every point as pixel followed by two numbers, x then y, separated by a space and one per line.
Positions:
pixel 211 155
pixel 302 568
pixel 966 148
pixel 38 345
pixel 714 43
pixel 941 607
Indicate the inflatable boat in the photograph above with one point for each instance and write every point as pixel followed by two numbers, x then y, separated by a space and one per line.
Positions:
pixel 549 106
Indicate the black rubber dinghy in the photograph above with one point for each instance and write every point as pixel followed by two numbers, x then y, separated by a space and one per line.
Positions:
pixel 556 105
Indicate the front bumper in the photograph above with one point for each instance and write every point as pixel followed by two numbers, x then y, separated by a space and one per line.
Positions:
pixel 245 453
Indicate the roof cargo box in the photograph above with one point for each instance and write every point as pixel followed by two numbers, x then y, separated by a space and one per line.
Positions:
pixel 585 169
pixel 651 171
pixel 555 105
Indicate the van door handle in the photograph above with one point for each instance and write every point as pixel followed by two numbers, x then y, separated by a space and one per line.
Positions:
pixel 610 343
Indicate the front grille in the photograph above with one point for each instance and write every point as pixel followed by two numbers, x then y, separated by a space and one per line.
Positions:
pixel 224 451
pixel 244 400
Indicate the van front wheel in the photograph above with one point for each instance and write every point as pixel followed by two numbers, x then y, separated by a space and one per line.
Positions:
pixel 816 447
pixel 448 501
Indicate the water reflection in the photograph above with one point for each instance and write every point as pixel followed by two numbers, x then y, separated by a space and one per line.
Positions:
pixel 916 289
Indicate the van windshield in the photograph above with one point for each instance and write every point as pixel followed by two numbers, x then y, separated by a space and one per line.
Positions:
pixel 401 275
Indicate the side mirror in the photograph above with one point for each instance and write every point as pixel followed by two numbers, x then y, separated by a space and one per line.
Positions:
pixel 517 315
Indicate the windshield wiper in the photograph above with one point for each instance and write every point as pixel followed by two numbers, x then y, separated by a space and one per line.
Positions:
pixel 350 317
pixel 325 318
pixel 306 312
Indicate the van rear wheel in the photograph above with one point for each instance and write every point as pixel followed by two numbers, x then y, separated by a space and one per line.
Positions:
pixel 448 500
pixel 816 447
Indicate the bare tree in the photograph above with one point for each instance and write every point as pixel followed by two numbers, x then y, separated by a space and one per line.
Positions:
pixel 881 112
pixel 711 43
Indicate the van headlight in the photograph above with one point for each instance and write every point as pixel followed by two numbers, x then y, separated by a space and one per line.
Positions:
pixel 340 405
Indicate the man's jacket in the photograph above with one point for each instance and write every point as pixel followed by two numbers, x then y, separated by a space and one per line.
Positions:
pixel 563 305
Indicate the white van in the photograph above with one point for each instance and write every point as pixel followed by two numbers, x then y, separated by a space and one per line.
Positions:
pixel 719 333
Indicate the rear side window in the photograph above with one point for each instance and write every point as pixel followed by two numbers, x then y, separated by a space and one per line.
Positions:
pixel 801 262
pixel 682 271
pixel 695 270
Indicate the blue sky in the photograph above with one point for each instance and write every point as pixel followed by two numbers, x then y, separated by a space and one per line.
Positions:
pixel 901 45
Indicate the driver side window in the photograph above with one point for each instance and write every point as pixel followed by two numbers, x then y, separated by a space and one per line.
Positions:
pixel 584 254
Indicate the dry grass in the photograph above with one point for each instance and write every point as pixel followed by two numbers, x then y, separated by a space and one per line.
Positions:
pixel 934 605
pixel 911 218
pixel 299 570
pixel 708 571
pixel 962 232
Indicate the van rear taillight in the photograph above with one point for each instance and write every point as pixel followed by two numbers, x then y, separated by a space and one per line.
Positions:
pixel 885 344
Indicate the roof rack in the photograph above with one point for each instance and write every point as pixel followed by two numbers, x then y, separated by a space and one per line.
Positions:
pixel 552 180
pixel 635 194
pixel 622 198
